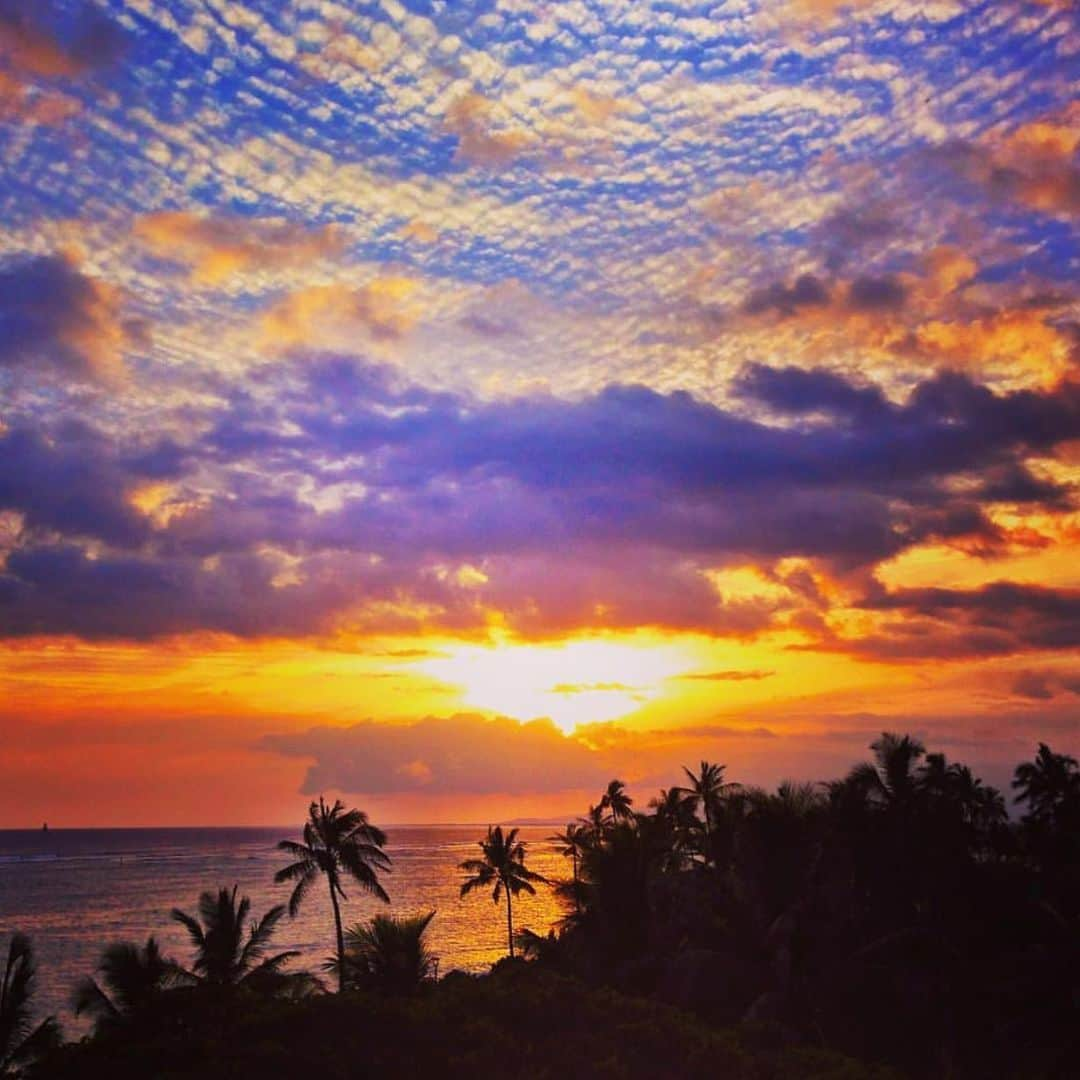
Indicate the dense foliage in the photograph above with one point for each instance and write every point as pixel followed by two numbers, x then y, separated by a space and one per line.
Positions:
pixel 896 915
pixel 520 1023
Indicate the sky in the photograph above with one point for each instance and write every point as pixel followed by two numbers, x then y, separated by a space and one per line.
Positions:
pixel 453 406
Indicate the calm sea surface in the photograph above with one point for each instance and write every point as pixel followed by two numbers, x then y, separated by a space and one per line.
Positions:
pixel 73 891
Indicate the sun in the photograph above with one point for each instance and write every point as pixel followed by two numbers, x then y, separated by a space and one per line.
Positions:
pixel 573 682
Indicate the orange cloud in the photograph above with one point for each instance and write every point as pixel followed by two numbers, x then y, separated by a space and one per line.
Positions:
pixel 1020 342
pixel 824 12
pixel 317 313
pixel 1034 164
pixel 31 52
pixel 217 247
pixel 947 268
pixel 927 315
pixel 474 119
pixel 23 104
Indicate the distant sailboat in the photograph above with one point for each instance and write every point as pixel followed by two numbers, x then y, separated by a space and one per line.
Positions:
pixel 44 826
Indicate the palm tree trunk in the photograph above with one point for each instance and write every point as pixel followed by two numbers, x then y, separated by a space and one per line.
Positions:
pixel 340 937
pixel 509 924
pixel 577 888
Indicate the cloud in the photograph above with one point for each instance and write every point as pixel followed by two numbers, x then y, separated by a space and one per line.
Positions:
pixel 998 619
pixel 751 675
pixel 52 316
pixel 812 298
pixel 75 486
pixel 343 496
pixel 1033 164
pixel 593 687
pixel 24 104
pixel 460 754
pixel 807 291
pixel 62 589
pixel 324 314
pixel 484 132
pixel 876 293
pixel 215 247
pixel 1032 685
pixel 825 12
pixel 805 391
pixel 45 41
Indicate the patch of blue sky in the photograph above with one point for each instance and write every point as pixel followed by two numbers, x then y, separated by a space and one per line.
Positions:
pixel 1049 251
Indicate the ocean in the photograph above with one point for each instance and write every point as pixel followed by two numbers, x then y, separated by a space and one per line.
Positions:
pixel 74 891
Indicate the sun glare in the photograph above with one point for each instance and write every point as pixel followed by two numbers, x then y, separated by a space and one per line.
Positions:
pixel 572 683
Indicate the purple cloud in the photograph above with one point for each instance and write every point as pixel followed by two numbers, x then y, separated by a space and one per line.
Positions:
pixel 600 512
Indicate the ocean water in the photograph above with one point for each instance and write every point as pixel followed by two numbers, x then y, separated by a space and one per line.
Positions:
pixel 73 891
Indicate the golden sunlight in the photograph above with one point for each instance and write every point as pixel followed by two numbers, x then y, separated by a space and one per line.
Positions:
pixel 573 682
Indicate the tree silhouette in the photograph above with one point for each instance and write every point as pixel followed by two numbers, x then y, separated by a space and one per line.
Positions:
pixel 224 957
pixel 707 788
pixel 891 779
pixel 132 981
pixel 339 844
pixel 534 946
pixel 673 811
pixel 571 843
pixel 1048 784
pixel 389 954
pixel 21 1043
pixel 617 802
pixel 503 867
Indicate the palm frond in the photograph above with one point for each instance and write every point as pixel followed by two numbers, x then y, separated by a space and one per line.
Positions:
pixel 89 998
pixel 191 924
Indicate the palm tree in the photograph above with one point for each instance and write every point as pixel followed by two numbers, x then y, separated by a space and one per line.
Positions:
pixel 20 1042
pixel 389 954
pixel 978 806
pixel 339 843
pixel 617 802
pixel 674 813
pixel 224 958
pixel 1047 784
pixel 592 824
pixel 133 981
pixel 572 842
pixel 891 778
pixel 537 946
pixel 707 788
pixel 503 865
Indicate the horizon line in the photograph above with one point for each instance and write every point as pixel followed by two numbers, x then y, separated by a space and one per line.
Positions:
pixel 556 820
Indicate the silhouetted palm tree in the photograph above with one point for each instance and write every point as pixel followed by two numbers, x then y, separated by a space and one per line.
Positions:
pixel 706 788
pixel 891 778
pixel 224 958
pixel 340 844
pixel 20 1041
pixel 674 813
pixel 132 980
pixel 1047 783
pixel 592 824
pixel 617 873
pixel 534 946
pixel 503 866
pixel 571 844
pixel 617 802
pixel 956 790
pixel 389 954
